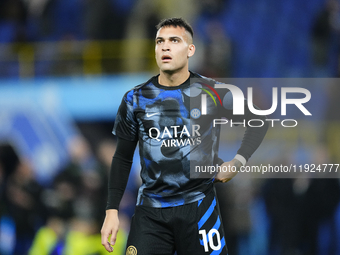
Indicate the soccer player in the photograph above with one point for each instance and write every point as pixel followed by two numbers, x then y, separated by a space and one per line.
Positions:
pixel 174 212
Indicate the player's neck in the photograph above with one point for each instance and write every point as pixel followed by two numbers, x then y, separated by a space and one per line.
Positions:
pixel 173 79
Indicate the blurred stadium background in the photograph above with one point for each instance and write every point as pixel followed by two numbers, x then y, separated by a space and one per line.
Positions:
pixel 64 67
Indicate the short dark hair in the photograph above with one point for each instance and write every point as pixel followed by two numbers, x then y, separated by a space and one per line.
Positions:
pixel 174 22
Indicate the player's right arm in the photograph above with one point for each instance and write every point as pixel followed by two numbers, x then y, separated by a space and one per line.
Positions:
pixel 126 130
pixel 118 178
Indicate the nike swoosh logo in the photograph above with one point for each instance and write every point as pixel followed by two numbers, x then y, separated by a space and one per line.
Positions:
pixel 151 114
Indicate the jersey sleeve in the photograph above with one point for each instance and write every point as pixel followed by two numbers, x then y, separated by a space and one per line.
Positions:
pixel 119 173
pixel 126 125
pixel 253 136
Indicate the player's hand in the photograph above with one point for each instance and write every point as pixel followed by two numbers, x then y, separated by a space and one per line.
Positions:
pixel 110 227
pixel 228 175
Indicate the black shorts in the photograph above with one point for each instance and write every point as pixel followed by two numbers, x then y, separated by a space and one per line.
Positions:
pixel 195 228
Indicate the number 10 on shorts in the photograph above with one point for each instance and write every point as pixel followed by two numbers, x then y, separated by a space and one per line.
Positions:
pixel 211 233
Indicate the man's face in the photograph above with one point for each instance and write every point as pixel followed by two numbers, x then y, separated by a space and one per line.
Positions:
pixel 173 49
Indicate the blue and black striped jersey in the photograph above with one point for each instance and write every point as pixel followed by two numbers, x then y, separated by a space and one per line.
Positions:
pixel 174 137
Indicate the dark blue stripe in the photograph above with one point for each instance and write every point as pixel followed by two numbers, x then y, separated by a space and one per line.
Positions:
pixel 207 214
pixel 217 224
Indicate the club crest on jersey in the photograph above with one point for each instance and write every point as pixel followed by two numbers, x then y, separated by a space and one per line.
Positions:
pixel 131 250
pixel 195 113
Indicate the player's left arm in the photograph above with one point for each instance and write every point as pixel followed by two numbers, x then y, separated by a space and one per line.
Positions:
pixel 252 139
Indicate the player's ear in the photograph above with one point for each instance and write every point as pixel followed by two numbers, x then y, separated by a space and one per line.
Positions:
pixel 191 50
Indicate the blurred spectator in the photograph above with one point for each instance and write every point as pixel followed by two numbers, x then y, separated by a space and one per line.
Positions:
pixel 13 17
pixel 57 19
pixel 77 205
pixel 2 183
pixel 24 205
pixel 8 163
pixel 78 236
pixel 235 200
pixel 283 207
pixel 82 158
pixel 48 238
pixel 338 66
pixel 332 122
pixel 326 34
pixel 35 8
pixel 106 19
pixel 217 51
pixel 68 183
pixel 298 207
pixel 61 198
pixel 217 45
pixel 318 206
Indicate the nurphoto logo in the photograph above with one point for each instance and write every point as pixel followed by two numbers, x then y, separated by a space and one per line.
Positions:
pixel 239 105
